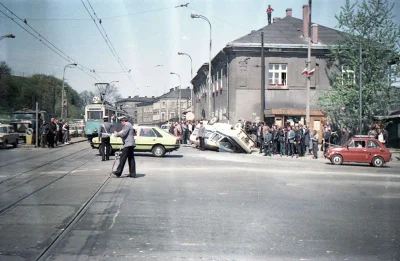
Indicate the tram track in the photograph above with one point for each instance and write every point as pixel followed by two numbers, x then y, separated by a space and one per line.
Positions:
pixel 70 225
pixel 41 166
pixel 65 162
pixel 9 206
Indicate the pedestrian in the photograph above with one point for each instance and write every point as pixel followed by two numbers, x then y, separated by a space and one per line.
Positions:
pixel 185 132
pixel 385 137
pixel 104 136
pixel 60 131
pixel 281 139
pixel 291 136
pixel 52 133
pixel 306 140
pixel 269 13
pixel 345 136
pixel 56 134
pixel 267 143
pixel 315 144
pixel 65 132
pixel 128 137
pixel 43 131
pixel 260 134
pixel 200 135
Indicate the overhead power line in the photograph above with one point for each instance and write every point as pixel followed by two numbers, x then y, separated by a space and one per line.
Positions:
pixel 43 40
pixel 104 18
pixel 106 38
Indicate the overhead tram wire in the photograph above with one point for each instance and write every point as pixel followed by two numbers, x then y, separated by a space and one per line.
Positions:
pixel 104 18
pixel 105 39
pixel 55 49
pixel 105 33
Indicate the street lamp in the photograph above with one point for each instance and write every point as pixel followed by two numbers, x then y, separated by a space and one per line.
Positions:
pixel 209 64
pixel 179 96
pixel 62 90
pixel 7 36
pixel 191 76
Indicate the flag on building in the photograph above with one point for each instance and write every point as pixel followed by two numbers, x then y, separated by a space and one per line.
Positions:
pixel 304 71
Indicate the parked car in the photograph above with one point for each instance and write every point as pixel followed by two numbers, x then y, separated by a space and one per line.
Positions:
pixel 360 149
pixel 148 139
pixel 8 136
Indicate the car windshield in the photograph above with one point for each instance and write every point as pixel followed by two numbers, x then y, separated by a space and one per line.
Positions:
pixel 23 116
pixel 3 129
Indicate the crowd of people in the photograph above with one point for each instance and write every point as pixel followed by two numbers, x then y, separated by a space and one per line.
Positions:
pixel 182 130
pixel 53 133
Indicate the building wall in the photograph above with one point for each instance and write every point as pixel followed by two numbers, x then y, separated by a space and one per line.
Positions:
pixel 245 82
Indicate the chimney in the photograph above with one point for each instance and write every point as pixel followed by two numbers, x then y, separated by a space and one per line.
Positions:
pixel 176 88
pixel 275 19
pixel 306 21
pixel 289 12
pixel 171 90
pixel 314 33
pixel 129 97
pixel 136 96
pixel 152 97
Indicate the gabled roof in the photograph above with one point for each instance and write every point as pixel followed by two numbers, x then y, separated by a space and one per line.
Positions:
pixel 136 99
pixel 288 31
pixel 185 94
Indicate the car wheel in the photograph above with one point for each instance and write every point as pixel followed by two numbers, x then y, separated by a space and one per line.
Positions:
pixel 15 143
pixel 337 160
pixel 158 151
pixel 378 162
pixel 5 143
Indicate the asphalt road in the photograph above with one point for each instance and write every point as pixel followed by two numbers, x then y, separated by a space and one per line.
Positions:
pixel 194 205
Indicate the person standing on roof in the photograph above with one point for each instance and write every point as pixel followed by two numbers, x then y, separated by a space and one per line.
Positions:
pixel 269 13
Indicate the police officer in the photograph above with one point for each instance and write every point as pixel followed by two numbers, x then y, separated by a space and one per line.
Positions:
pixel 104 136
pixel 128 136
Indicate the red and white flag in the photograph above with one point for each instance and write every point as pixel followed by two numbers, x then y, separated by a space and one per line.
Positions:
pixel 308 73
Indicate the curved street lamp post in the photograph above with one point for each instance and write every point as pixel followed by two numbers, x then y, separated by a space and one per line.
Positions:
pixel 191 78
pixel 179 96
pixel 62 93
pixel 209 63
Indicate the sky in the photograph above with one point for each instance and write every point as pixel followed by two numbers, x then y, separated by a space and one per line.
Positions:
pixel 146 36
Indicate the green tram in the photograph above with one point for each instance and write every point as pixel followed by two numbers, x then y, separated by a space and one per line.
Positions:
pixel 94 114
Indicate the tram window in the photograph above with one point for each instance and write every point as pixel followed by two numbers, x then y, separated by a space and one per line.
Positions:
pixel 95 115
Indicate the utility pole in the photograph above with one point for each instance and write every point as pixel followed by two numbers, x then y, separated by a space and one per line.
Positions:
pixel 360 93
pixel 262 79
pixel 308 93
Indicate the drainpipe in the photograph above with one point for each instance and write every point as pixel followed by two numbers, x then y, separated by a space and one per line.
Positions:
pixel 227 84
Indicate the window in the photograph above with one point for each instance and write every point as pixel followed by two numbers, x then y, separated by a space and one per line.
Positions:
pixel 163 104
pixel 372 144
pixel 145 132
pixel 277 74
pixel 360 144
pixel 173 104
pixel 348 77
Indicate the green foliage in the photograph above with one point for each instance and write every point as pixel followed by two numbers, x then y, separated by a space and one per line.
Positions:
pixel 23 92
pixel 367 25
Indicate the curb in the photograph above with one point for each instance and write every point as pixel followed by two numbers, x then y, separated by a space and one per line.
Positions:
pixel 22 146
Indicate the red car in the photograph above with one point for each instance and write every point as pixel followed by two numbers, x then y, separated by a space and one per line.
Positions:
pixel 361 149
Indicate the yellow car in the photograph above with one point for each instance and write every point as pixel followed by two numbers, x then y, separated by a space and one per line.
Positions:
pixel 148 139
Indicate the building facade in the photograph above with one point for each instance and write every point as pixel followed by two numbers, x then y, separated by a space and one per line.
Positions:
pixel 130 105
pixel 237 75
pixel 164 108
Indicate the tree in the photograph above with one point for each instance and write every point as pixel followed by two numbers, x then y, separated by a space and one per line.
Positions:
pixel 367 25
pixel 108 92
